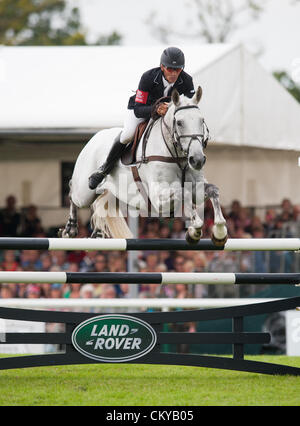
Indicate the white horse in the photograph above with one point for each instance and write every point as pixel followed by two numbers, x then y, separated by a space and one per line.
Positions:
pixel 172 160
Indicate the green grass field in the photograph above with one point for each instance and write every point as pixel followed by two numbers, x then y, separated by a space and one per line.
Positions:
pixel 147 385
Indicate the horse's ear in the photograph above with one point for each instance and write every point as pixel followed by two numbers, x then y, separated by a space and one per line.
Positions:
pixel 198 95
pixel 175 97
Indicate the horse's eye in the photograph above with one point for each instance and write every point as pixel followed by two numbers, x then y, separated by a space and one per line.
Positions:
pixel 179 123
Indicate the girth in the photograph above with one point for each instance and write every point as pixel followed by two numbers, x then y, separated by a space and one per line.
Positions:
pixel 160 158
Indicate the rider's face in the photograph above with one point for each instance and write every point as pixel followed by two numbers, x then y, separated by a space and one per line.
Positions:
pixel 171 74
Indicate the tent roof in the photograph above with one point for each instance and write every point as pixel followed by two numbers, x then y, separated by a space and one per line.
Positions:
pixel 78 88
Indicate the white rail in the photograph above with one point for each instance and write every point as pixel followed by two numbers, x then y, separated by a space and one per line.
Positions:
pixel 163 303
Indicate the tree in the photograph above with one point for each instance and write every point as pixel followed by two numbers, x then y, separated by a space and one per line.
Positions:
pixel 44 23
pixel 290 85
pixel 211 21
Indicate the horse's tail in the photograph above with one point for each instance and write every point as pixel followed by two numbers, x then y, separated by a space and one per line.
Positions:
pixel 107 219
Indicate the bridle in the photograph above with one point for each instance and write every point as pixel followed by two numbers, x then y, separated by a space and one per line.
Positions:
pixel 180 157
pixel 176 137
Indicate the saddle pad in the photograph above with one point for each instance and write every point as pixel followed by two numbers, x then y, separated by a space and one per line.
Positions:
pixel 129 155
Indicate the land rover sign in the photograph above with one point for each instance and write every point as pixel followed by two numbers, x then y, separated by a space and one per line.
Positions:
pixel 114 338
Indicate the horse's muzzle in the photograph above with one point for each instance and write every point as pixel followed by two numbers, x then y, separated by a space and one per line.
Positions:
pixel 197 162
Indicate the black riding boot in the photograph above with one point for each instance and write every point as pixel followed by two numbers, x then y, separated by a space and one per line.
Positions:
pixel 114 155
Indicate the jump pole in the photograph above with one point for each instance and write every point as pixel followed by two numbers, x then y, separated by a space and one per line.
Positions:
pixel 88 244
pixel 149 277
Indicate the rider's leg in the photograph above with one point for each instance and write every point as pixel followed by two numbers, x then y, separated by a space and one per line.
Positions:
pixel 119 145
pixel 114 154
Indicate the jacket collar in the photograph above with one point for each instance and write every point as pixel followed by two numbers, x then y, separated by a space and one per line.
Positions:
pixel 159 75
pixel 178 81
pixel 158 78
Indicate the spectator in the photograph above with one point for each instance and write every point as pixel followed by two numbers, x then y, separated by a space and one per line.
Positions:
pixel 59 259
pixel 33 291
pixel 31 223
pixel 7 291
pixel 73 267
pixel 155 291
pixel 124 290
pixel 31 260
pixel 179 263
pixel 46 262
pixel 100 263
pixel 87 264
pixel 76 256
pixel 178 229
pixel 200 261
pixel 181 291
pixel 166 259
pixel 87 291
pixel 188 266
pixel 296 213
pixel 109 292
pixel 269 221
pixel 10 219
pixel 116 262
pixel 286 214
pixel 74 292
pixel 240 233
pixel 164 231
pixel 21 290
pixel 56 291
pixel 244 218
pixel 255 223
pixel 151 228
pixel 9 261
pixel 151 262
pixel 46 290
pixel 235 211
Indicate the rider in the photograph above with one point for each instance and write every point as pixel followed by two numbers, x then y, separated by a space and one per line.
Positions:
pixel 154 84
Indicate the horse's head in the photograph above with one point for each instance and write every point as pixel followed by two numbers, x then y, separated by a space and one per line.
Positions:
pixel 189 131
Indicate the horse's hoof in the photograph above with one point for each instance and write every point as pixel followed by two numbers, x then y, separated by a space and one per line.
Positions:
pixel 73 233
pixel 65 234
pixel 97 234
pixel 191 240
pixel 217 242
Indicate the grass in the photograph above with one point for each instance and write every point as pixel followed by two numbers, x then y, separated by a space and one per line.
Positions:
pixel 148 385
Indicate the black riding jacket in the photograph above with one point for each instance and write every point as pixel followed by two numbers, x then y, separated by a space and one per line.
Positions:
pixel 151 89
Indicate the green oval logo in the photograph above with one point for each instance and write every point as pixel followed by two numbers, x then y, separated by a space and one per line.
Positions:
pixel 114 338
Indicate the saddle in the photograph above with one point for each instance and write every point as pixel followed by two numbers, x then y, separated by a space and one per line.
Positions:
pixel 129 155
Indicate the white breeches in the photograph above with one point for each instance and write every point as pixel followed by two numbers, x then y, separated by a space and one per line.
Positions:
pixel 130 124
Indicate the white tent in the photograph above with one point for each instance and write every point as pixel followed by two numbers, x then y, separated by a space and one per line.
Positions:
pixel 88 88
pixel 253 121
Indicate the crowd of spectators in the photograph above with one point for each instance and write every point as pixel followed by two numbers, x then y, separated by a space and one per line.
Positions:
pixel 241 223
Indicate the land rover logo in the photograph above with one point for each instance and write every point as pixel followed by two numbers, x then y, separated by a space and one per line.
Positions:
pixel 114 338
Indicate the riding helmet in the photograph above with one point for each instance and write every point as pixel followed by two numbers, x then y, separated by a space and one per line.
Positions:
pixel 172 57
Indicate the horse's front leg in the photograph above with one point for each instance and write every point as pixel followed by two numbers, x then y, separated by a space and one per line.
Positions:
pixel 194 209
pixel 71 228
pixel 166 199
pixel 219 230
pixel 194 231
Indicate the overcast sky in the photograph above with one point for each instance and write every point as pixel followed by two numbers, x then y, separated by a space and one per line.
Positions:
pixel 277 31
